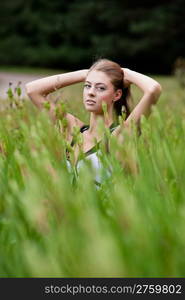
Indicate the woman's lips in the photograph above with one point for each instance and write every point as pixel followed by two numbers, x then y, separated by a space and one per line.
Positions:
pixel 89 101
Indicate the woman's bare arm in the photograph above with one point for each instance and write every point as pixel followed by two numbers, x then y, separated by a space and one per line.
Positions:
pixel 38 90
pixel 151 91
pixel 46 85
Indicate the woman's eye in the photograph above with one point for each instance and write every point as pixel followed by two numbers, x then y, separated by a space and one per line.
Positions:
pixel 98 88
pixel 87 86
pixel 101 88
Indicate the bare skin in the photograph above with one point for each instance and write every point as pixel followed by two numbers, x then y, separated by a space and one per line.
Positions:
pixel 97 89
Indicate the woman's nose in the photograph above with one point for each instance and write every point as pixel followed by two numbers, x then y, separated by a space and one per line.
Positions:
pixel 91 91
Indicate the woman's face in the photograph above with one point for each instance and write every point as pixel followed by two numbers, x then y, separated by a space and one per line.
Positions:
pixel 98 89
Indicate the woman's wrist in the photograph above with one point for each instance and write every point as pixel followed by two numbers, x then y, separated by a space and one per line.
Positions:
pixel 49 84
pixel 127 78
pixel 71 78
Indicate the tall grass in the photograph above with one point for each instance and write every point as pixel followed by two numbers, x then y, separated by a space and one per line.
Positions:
pixel 132 226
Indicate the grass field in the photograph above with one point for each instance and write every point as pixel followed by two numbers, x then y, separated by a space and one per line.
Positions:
pixel 132 226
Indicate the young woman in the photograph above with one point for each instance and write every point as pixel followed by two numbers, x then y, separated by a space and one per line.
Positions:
pixel 105 83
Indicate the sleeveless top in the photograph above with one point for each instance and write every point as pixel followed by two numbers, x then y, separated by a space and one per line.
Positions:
pixel 92 155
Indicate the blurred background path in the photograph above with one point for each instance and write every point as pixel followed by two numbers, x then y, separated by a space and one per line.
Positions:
pixel 6 77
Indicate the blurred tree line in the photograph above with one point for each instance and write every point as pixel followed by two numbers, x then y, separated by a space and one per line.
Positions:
pixel 143 35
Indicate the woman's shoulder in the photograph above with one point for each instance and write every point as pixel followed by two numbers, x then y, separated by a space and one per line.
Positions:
pixel 73 121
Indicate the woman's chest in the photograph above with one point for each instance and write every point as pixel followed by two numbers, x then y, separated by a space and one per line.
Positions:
pixel 85 145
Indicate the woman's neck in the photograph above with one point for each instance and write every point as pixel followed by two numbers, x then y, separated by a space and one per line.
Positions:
pixel 96 120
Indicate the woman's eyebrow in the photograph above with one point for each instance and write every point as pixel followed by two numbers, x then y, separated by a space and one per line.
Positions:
pixel 97 83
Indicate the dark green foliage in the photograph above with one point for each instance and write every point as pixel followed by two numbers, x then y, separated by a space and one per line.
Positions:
pixel 71 34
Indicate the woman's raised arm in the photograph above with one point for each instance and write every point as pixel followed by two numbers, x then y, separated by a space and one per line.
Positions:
pixel 151 91
pixel 38 89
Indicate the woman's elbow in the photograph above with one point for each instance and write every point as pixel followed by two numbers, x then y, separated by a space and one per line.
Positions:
pixel 31 92
pixel 33 87
pixel 34 97
pixel 155 91
pixel 29 89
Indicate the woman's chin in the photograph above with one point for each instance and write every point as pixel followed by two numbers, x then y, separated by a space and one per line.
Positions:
pixel 90 108
pixel 93 108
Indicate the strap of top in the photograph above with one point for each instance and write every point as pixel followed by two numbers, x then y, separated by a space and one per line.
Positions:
pixel 111 128
pixel 83 128
pixel 86 127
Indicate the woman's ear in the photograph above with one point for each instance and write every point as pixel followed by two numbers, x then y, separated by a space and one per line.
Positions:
pixel 118 95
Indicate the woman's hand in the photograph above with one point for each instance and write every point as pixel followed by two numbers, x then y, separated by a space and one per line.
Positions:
pixel 126 81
